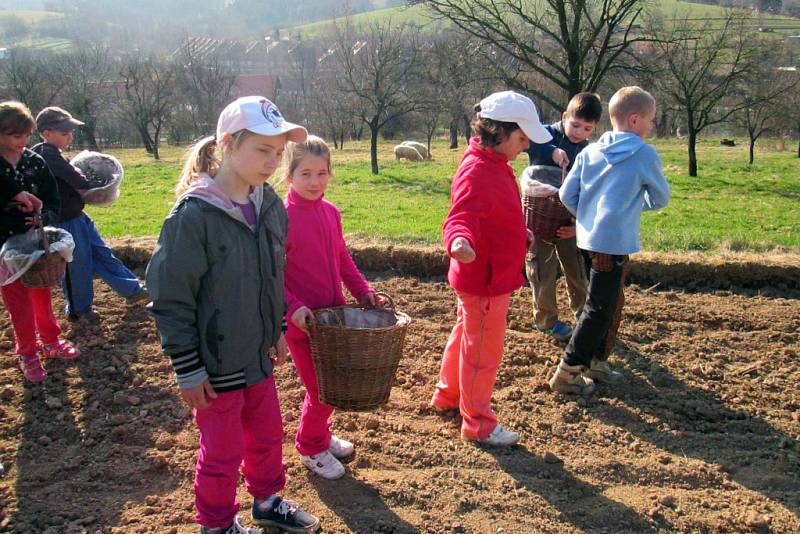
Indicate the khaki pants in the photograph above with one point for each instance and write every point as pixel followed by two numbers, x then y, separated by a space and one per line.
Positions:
pixel 541 265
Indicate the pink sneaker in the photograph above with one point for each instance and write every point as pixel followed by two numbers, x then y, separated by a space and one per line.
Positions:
pixel 32 368
pixel 61 350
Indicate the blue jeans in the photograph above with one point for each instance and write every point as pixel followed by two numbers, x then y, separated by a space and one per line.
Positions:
pixel 92 257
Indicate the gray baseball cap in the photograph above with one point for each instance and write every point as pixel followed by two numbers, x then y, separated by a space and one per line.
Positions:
pixel 55 118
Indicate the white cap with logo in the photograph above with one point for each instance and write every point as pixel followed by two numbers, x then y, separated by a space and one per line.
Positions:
pixel 258 115
pixel 508 106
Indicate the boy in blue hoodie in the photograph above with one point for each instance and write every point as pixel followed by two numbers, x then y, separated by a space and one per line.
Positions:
pixel 611 183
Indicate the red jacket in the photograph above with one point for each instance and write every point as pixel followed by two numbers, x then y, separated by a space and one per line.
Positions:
pixel 486 211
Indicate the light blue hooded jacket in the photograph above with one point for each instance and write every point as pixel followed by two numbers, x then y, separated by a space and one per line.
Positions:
pixel 611 183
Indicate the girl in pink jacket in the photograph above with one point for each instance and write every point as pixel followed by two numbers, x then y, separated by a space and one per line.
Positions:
pixel 485 236
pixel 317 262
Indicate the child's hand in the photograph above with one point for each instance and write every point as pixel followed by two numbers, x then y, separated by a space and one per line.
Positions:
pixel 301 317
pixel 199 397
pixel 373 300
pixel 278 353
pixel 565 232
pixel 30 202
pixel 462 251
pixel 560 158
pixel 32 221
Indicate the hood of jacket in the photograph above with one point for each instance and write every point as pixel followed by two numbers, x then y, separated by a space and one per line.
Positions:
pixel 618 146
pixel 206 189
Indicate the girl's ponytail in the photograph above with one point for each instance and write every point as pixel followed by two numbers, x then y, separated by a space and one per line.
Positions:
pixel 199 159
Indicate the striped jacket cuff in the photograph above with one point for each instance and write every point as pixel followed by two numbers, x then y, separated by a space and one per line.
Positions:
pixel 189 369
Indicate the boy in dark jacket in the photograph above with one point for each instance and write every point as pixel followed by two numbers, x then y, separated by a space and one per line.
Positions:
pixel 570 136
pixel 92 256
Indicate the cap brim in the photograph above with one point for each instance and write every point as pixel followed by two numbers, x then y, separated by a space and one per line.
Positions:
pixel 294 132
pixel 535 131
pixel 66 125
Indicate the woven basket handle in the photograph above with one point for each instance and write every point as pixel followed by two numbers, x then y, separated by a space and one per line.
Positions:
pixel 313 322
pixel 387 297
pixel 42 236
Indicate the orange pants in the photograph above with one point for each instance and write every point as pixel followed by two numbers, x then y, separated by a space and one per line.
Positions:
pixel 471 358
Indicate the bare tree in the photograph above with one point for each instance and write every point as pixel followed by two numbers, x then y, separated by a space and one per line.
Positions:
pixel 146 94
pixel 205 80
pixel 701 63
pixel 761 90
pixel 454 74
pixel 570 44
pixel 85 74
pixel 378 69
pixel 30 78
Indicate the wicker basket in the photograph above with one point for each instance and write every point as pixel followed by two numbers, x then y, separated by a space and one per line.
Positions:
pixel 48 270
pixel 356 351
pixel 545 215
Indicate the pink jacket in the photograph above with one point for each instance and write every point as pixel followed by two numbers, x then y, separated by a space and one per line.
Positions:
pixel 317 260
pixel 486 211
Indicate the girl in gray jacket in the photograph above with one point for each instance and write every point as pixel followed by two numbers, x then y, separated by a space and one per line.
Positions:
pixel 216 281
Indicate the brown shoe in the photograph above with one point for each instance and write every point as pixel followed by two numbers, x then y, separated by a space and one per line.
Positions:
pixel 570 379
pixel 600 371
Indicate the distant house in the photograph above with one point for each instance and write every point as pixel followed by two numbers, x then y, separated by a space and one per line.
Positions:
pixel 267 85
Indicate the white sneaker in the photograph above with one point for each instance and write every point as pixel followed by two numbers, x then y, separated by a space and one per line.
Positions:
pixel 500 437
pixel 235 528
pixel 324 464
pixel 340 448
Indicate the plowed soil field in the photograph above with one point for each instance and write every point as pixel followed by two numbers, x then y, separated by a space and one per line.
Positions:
pixel 702 436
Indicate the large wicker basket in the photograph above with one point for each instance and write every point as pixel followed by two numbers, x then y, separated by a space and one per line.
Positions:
pixel 356 351
pixel 49 269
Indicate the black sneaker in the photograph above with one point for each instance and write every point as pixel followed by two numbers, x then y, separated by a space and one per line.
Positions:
pixel 285 515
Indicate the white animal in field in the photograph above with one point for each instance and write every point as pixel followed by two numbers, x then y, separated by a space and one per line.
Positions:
pixel 422 149
pixel 407 152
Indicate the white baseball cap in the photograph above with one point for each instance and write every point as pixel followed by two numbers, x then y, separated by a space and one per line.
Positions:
pixel 508 106
pixel 260 116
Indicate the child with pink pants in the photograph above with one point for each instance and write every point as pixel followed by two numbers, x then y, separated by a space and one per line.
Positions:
pixel 216 280
pixel 486 238
pixel 317 262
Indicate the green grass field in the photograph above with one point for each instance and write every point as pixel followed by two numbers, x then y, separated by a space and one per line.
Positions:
pixel 729 207
pixel 420 16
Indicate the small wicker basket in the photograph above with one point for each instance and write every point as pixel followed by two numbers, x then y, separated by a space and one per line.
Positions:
pixel 356 351
pixel 545 215
pixel 48 270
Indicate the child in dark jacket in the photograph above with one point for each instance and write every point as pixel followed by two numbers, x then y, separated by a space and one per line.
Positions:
pixel 217 283
pixel 570 136
pixel 91 256
pixel 24 174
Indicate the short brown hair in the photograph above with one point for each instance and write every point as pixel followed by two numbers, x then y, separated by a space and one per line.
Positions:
pixel 15 118
pixel 585 106
pixel 491 132
pixel 629 101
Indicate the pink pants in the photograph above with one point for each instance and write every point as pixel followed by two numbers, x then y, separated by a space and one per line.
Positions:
pixel 31 310
pixel 240 428
pixel 471 359
pixel 314 430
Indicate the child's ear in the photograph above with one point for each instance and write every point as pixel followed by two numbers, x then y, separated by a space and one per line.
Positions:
pixel 564 116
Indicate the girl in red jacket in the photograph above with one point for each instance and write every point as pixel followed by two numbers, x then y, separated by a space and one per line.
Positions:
pixel 486 238
pixel 317 262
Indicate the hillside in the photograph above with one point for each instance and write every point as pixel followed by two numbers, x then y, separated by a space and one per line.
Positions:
pixel 419 15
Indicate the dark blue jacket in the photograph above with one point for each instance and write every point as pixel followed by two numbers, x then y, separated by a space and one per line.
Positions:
pixel 542 154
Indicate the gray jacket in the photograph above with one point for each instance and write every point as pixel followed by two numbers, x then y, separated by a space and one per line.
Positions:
pixel 217 287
